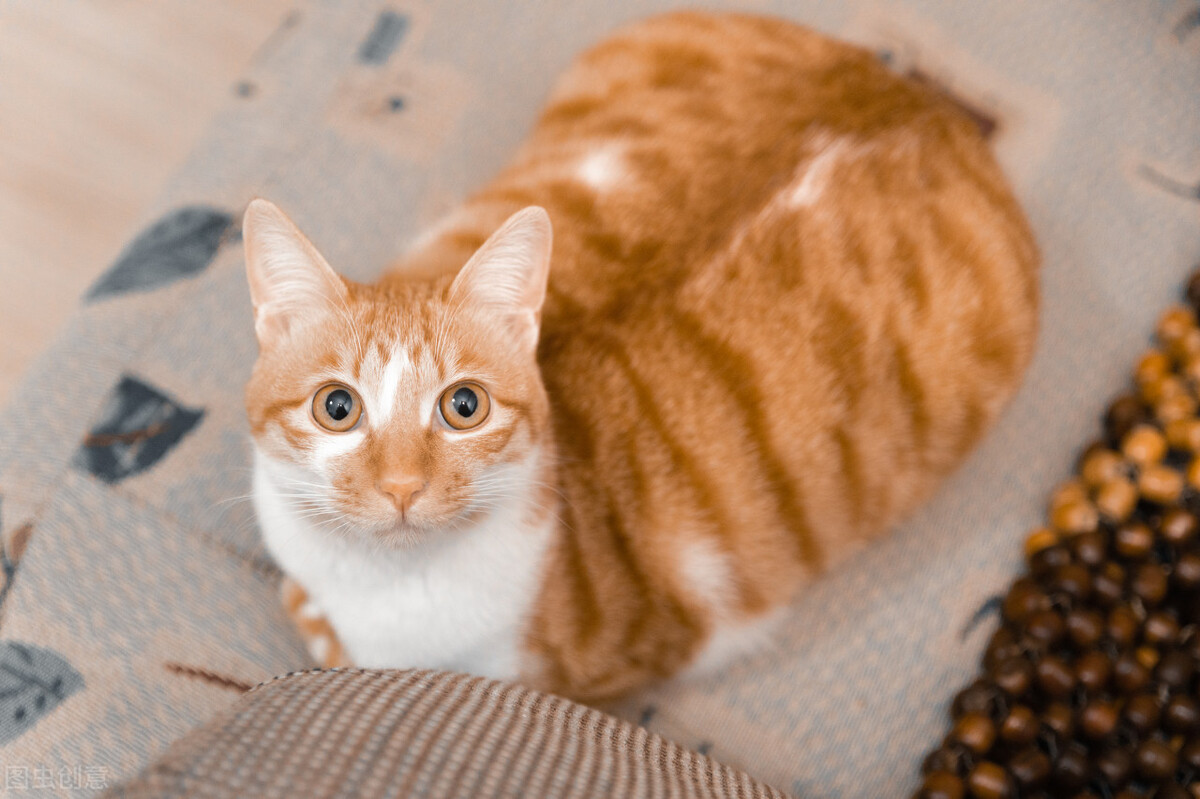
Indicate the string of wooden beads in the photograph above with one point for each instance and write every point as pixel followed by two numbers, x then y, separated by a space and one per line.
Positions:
pixel 1091 686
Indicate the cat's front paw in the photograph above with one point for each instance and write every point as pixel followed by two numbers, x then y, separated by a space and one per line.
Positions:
pixel 315 629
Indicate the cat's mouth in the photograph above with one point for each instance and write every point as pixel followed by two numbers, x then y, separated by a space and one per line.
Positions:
pixel 409 530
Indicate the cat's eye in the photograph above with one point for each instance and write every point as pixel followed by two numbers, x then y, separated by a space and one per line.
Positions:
pixel 337 408
pixel 465 405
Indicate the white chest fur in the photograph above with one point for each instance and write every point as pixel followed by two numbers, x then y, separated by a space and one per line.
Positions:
pixel 458 603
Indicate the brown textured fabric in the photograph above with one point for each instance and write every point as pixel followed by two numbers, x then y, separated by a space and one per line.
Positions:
pixel 368 733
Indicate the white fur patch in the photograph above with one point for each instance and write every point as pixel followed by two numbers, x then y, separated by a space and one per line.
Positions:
pixel 318 647
pixel 706 573
pixel 334 445
pixel 816 177
pixel 602 168
pixel 310 611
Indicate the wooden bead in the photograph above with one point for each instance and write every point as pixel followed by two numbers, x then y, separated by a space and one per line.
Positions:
pixel 1190 643
pixel 1101 465
pixel 989 781
pixel 1098 719
pixel 1189 755
pixel 1156 391
pixel 1014 676
pixel 1074 580
pixel 1143 712
pixel 1155 760
pixel 978 698
pixel 1116 765
pixel 1187 571
pixel 1175 670
pixel 1055 677
pixel 1144 445
pixel 1133 541
pixel 1117 498
pixel 1020 726
pixel 1122 626
pixel 1151 391
pixel 1153 365
pixel 1149 584
pixel 1071 770
pixel 1075 517
pixel 1040 539
pixel 1002 645
pixel 1023 600
pixel 1184 434
pixel 1174 324
pixel 1160 484
pixel 976 732
pixel 950 759
pixel 1068 492
pixel 1122 415
pixel 941 785
pixel 1147 656
pixel 1160 628
pixel 1046 627
pixel 1048 560
pixel 1090 549
pixel 1093 669
pixel 1084 627
pixel 1175 408
pixel 1181 715
pixel 1192 292
pixel 1059 717
pixel 1193 473
pixel 1029 768
pixel 1178 527
pixel 1187 347
pixel 1108 584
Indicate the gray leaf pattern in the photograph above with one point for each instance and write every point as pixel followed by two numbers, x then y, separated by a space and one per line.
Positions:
pixel 33 681
pixel 182 243
pixel 138 427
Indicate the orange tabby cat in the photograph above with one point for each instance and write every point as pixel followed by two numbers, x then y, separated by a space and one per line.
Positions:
pixel 788 291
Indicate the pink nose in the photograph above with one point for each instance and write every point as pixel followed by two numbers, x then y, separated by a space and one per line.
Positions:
pixel 402 490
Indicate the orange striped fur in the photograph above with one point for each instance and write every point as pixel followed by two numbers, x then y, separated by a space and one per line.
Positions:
pixel 788 292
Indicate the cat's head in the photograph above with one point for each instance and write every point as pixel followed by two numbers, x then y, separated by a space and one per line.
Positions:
pixel 397 411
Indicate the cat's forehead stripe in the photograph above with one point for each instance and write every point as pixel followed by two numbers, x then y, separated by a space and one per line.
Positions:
pixel 399 366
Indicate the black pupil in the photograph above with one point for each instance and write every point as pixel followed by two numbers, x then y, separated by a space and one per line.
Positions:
pixel 464 402
pixel 338 404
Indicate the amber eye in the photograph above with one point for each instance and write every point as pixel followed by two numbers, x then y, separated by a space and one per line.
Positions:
pixel 465 405
pixel 336 408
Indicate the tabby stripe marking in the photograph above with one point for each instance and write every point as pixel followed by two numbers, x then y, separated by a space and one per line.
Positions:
pixel 735 372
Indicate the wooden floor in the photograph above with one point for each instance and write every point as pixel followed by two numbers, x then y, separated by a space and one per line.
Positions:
pixel 99 101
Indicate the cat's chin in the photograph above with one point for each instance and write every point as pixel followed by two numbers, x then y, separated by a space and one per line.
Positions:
pixel 403 536
pixel 413 534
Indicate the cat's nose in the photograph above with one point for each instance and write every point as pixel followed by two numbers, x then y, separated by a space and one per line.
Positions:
pixel 402 490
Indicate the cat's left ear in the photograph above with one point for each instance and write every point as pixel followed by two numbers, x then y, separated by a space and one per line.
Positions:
pixel 507 276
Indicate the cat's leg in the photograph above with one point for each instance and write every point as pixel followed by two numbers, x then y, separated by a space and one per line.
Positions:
pixel 318 634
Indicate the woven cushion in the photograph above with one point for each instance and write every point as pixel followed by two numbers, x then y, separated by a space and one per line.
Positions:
pixel 422 733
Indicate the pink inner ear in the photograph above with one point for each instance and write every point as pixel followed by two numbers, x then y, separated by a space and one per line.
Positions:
pixel 507 275
pixel 289 278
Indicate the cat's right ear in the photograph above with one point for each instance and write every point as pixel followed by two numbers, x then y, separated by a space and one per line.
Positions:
pixel 289 280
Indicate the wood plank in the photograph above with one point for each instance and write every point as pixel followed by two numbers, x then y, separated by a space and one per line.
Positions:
pixel 100 100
